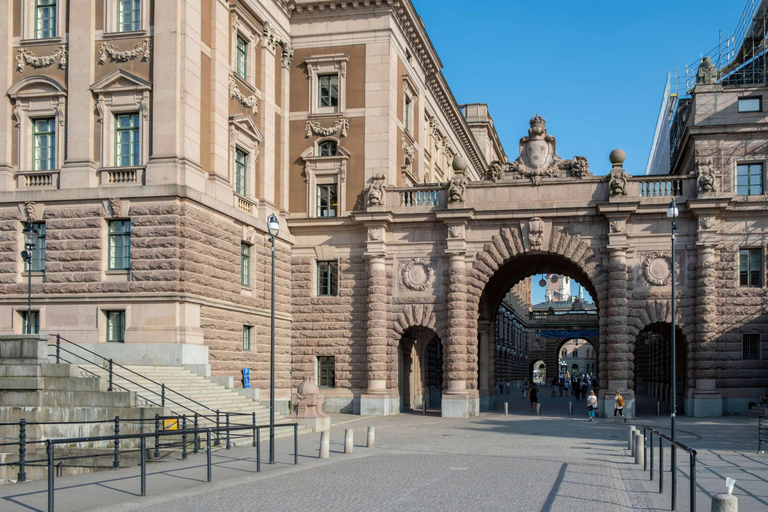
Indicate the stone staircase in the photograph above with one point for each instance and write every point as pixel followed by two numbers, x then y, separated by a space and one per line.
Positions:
pixel 758 410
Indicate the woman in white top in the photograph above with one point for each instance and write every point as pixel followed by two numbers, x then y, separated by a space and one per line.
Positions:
pixel 592 405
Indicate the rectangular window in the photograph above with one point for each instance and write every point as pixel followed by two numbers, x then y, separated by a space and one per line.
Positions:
pixel 327 278
pixel 327 201
pixel 326 372
pixel 241 165
pixel 246 337
pixel 44 147
pixel 35 315
pixel 750 268
pixel 751 104
pixel 751 347
pixel 38 253
pixel 119 245
pixel 245 264
pixel 328 91
pixel 408 102
pixel 127 140
pixel 749 179
pixel 45 19
pixel 128 15
pixel 242 58
pixel 115 326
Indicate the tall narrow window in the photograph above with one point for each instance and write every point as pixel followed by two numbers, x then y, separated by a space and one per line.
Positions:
pixel 327 278
pixel 751 347
pixel 45 19
pixel 327 201
pixel 38 253
pixel 126 140
pixel 749 179
pixel 326 372
pixel 328 91
pixel 44 144
pixel 128 15
pixel 242 58
pixel 245 264
pixel 246 337
pixel 35 318
pixel 408 108
pixel 327 148
pixel 119 245
pixel 241 165
pixel 115 326
pixel 750 268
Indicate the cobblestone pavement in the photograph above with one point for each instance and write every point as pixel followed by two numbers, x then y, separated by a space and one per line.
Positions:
pixel 519 462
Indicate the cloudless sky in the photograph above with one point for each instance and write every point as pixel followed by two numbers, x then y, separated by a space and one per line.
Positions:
pixel 594 70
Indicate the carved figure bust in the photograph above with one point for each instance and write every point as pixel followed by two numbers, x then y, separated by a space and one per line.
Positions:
pixel 309 400
pixel 618 184
pixel 456 189
pixel 706 179
pixel 707 73
pixel 495 171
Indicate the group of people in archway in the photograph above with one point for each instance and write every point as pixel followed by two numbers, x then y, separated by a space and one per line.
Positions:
pixel 576 385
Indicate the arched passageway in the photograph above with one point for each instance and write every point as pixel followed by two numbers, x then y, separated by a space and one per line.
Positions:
pixel 653 371
pixel 420 369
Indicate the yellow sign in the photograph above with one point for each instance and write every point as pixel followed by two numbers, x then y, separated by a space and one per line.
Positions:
pixel 171 424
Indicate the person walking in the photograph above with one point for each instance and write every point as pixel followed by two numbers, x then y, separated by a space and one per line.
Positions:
pixel 584 389
pixel 592 405
pixel 618 407
pixel 525 389
pixel 567 385
pixel 501 387
pixel 554 386
pixel 509 385
pixel 533 394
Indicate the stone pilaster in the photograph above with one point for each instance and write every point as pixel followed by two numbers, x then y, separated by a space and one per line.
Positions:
pixel 617 337
pixel 455 357
pixel 486 345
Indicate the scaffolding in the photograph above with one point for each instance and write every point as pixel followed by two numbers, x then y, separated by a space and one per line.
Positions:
pixel 740 59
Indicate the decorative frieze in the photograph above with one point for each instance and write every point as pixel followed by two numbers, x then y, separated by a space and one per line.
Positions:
pixel 250 102
pixel 417 275
pixel 108 52
pixel 340 128
pixel 27 58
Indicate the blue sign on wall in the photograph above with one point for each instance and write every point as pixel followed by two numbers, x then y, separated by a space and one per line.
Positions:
pixel 246 378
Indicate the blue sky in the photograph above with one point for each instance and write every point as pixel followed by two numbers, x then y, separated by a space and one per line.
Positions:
pixel 595 70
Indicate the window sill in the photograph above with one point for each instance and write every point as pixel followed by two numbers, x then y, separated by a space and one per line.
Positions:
pixel 37 277
pixel 245 83
pixel 43 41
pixel 125 35
pixel 246 291
pixel 117 275
pixel 325 115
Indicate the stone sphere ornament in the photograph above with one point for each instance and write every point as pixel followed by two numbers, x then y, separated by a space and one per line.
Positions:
pixel 617 156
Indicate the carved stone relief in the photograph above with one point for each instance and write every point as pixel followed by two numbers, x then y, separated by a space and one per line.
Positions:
pixel 657 269
pixel 116 206
pixel 455 232
pixel 536 233
pixel 618 226
pixel 456 189
pixel 250 102
pixel 375 234
pixel 27 58
pixel 417 275
pixel 376 196
pixel 313 128
pixel 707 72
pixel 707 222
pixel 109 52
pixel 618 184
pixel 495 171
pixel 705 180
pixel 30 210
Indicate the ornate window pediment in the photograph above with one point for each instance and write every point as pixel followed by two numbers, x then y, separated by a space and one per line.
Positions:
pixel 245 136
pixel 325 170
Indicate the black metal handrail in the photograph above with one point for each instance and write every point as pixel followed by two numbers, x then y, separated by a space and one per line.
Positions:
pixel 762 434
pixel 648 443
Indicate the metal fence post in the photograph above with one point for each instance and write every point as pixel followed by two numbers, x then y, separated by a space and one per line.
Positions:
pixel 254 429
pixel 116 462
pixel 196 448
pixel 228 445
pixel 661 465
pixel 49 446
pixel 218 432
pixel 258 449
pixel 22 476
pixel 693 479
pixel 162 395
pixel 208 451
pixel 184 437
pixel 143 444
pixel 673 477
pixel 651 451
pixel 295 443
pixel 645 450
pixel 157 436
pixel 109 385
pixel 58 349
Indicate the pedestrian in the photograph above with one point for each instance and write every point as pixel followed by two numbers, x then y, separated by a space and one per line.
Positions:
pixel 554 386
pixel 584 389
pixel 618 407
pixel 509 385
pixel 501 387
pixel 560 385
pixel 567 385
pixel 525 389
pixel 533 394
pixel 592 405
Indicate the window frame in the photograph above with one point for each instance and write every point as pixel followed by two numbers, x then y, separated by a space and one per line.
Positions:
pixel 134 136
pixel 121 315
pixel 332 276
pixel 241 57
pixel 327 365
pixel 750 98
pixel 327 143
pixel 36 321
pixel 136 6
pixel 749 175
pixel 112 237
pixel 332 99
pixel 50 148
pixel 247 338
pixel 112 25
pixel 241 172
pixel 325 65
pixel 38 7
pixel 38 253
pixel 29 32
pixel 750 251
pixel 328 187
pixel 753 355
pixel 245 264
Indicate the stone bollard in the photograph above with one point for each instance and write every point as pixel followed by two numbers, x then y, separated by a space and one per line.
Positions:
pixel 538 409
pixel 348 442
pixel 631 433
pixel 325 444
pixel 639 451
pixel 371 438
pixel 506 408
pixel 570 408
pixel 724 503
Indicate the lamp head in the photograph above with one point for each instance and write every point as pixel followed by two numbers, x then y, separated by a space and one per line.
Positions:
pixel 30 236
pixel 273 226
pixel 672 211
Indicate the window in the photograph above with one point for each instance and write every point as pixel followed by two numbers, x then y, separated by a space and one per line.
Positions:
pixel 241 164
pixel 245 264
pixel 45 19
pixel 127 140
pixel 750 268
pixel 128 15
pixel 35 315
pixel 246 337
pixel 751 347
pixel 327 202
pixel 749 179
pixel 241 67
pixel 328 91
pixel 115 326
pixel 326 372
pixel 119 245
pixel 327 148
pixel 44 144
pixel 327 278
pixel 754 104
pixel 38 253
pixel 408 109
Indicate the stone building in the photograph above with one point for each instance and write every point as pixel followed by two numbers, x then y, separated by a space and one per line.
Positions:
pixel 150 140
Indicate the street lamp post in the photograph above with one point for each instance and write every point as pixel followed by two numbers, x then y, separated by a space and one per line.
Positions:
pixel 273 226
pixel 672 213
pixel 30 240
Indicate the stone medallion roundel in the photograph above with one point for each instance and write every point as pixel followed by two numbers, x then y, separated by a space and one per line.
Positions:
pixel 657 269
pixel 417 275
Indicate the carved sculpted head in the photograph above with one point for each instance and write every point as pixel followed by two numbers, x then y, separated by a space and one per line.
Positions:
pixel 536 233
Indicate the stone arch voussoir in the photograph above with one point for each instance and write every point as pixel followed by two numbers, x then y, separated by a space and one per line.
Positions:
pixel 418 315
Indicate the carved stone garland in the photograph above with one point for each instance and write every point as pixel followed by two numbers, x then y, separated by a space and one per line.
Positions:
pixel 250 102
pixel 109 52
pixel 657 269
pixel 27 58
pixel 417 275
pixel 313 128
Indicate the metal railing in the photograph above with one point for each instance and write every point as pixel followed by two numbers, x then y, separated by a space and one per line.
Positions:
pixel 648 444
pixel 50 445
pixel 762 434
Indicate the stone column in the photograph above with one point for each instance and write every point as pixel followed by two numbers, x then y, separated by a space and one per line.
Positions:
pixel 617 339
pixel 376 400
pixel 455 403
pixel 484 343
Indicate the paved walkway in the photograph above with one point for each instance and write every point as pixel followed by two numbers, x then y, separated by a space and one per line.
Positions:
pixel 519 462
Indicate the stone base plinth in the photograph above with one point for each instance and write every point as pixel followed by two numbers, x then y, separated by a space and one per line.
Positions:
pixel 192 357
pixel 704 405
pixel 460 406
pixel 316 424
pixel 379 405
pixel 489 402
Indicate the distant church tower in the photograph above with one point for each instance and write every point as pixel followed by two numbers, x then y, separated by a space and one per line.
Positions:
pixel 558 288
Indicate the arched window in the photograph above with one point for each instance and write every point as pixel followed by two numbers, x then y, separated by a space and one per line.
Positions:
pixel 327 148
